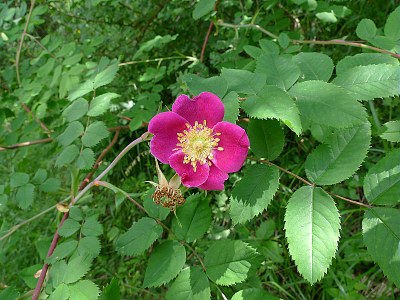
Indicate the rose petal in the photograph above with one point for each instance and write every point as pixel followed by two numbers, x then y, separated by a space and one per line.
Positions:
pixel 205 106
pixel 234 141
pixel 215 180
pixel 189 177
pixel 165 127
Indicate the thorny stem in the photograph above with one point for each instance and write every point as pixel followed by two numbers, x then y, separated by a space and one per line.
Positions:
pixel 330 42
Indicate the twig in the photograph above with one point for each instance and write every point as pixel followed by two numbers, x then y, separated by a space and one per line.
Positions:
pixel 349 200
pixel 40 45
pixel 24 144
pixel 22 41
pixel 203 49
pixel 156 60
pixel 44 127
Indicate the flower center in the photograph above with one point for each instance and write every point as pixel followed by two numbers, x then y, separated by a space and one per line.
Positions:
pixel 198 143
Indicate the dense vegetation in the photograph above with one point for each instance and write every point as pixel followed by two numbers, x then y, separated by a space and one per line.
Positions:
pixel 313 213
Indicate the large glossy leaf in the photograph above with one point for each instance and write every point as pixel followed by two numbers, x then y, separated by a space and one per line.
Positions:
pixel 340 156
pixel 242 81
pixel 370 82
pixel 191 283
pixel 381 231
pixel 312 224
pixel 164 264
pixel 228 262
pixel 364 59
pixel 314 66
pixel 197 84
pixel 382 183
pixel 326 104
pixel 253 193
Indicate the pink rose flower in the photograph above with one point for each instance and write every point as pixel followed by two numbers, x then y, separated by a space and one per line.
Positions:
pixel 196 143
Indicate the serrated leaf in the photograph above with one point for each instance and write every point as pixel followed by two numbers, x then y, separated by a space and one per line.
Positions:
pixel 364 59
pixel 366 29
pixel 192 284
pixel 326 104
pixel 154 210
pixel 89 246
pixel 266 138
pixel 60 293
pixel 92 227
pixel 391 131
pixel 84 290
pixel 381 232
pixel 51 185
pixel 18 179
pixel 139 237
pixel 80 91
pixel 40 176
pixel 76 110
pixel 57 272
pixel 69 227
pixel 202 8
pixel 85 159
pixel 312 224
pixel 273 103
pixel 231 105
pixel 94 133
pixel 392 28
pixel 340 156
pixel 100 104
pixel 370 82
pixel 197 84
pixel 314 65
pixel 242 81
pixel 62 250
pixel 76 268
pixel 75 213
pixel 229 261
pixel 382 182
pixel 67 155
pixel 253 193
pixel 72 132
pixel 25 195
pixel 111 291
pixel 195 218
pixel 253 294
pixel 280 71
pixel 164 264
pixel 105 76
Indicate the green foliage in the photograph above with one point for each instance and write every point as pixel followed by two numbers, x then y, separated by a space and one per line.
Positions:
pixel 314 66
pixel 391 131
pixel 191 283
pixel 94 133
pixel 253 293
pixel 313 246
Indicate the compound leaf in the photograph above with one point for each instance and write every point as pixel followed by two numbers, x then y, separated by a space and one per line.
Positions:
pixel 191 283
pixel 94 134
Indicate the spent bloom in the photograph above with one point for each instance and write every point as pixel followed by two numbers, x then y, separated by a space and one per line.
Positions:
pixel 196 143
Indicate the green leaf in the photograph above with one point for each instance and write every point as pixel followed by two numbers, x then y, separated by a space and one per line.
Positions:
pixel 76 110
pixel 340 156
pixel 92 227
pixel 366 29
pixel 18 179
pixel 75 213
pixel 86 159
pixel 25 195
pixel 72 132
pixel 229 261
pixel 392 28
pixel 391 131
pixel 76 268
pixel 195 218
pixel 196 84
pixel 154 210
pixel 101 104
pixel 364 59
pixel 62 251
pixel 94 134
pixel 266 229
pixel 382 182
pixel 326 104
pixel 89 246
pixel 253 294
pixel 370 82
pixel 164 264
pixel 231 104
pixel 51 185
pixel 272 102
pixel 105 76
pixel 192 284
pixel 57 272
pixel 69 227
pixel 314 66
pixel 9 293
pixel 280 71
pixel 40 176
pixel 381 232
pixel 80 91
pixel 242 81
pixel 253 193
pixel 202 8
pixel 84 290
pixel 327 17
pixel 111 291
pixel 139 237
pixel 266 138
pixel 67 155
pixel 60 293
pixel 28 275
pixel 312 224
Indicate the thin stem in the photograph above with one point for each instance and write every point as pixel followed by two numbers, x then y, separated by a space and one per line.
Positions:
pixel 196 254
pixel 44 127
pixel 25 144
pixel 255 26
pixel 349 200
pixel 40 45
pixel 156 60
